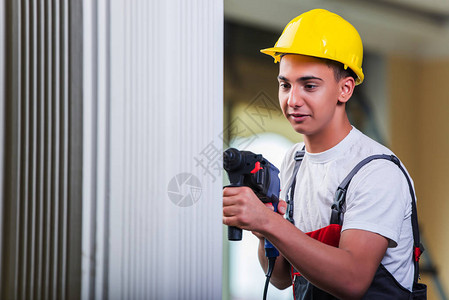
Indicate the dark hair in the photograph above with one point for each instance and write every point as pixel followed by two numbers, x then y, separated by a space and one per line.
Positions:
pixel 339 69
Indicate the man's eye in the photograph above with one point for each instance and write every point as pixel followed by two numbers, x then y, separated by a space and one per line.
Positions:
pixel 284 85
pixel 310 86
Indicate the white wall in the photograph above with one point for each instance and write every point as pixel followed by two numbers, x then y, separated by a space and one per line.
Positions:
pixel 153 120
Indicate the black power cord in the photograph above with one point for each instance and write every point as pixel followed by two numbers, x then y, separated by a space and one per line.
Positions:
pixel 271 261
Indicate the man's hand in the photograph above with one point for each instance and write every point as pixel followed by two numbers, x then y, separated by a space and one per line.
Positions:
pixel 282 208
pixel 242 208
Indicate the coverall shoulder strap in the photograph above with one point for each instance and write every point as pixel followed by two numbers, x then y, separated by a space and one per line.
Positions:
pixel 299 155
pixel 340 198
pixel 340 194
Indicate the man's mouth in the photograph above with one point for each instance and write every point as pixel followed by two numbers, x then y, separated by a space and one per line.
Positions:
pixel 297 117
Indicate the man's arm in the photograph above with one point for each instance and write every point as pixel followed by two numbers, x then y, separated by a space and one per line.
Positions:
pixel 281 277
pixel 346 271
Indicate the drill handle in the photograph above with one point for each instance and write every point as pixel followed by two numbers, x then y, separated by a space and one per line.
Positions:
pixel 270 250
pixel 234 233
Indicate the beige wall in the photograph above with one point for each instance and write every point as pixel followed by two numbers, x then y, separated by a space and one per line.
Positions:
pixel 419 118
pixel 250 93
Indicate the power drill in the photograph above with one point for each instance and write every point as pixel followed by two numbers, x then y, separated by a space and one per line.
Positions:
pixel 245 168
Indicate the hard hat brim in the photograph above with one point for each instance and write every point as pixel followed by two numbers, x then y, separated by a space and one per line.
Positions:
pixel 276 53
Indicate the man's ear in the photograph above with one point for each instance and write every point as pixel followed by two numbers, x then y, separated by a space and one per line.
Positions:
pixel 347 86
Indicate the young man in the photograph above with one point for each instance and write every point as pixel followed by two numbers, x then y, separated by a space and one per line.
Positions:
pixel 320 59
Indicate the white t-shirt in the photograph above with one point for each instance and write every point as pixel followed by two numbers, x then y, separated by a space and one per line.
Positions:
pixel 378 198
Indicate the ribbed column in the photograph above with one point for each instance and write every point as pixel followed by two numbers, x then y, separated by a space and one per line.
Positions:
pixel 38 106
pixel 165 231
pixel 113 150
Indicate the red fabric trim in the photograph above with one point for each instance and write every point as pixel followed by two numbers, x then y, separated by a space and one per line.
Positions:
pixel 294 273
pixel 418 253
pixel 329 235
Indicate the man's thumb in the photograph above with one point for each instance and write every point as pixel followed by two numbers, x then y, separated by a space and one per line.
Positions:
pixel 282 207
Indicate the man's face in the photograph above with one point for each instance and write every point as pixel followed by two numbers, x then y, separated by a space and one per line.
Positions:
pixel 308 94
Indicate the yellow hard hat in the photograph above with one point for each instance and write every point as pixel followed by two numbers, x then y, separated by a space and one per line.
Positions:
pixel 323 34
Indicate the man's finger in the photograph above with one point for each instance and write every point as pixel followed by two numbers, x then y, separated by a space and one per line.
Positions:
pixel 232 191
pixel 282 207
pixel 269 205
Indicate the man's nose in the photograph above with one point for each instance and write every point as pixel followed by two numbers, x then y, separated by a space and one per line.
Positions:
pixel 294 98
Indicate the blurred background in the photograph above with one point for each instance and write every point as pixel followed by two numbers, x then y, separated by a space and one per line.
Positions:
pixel 403 103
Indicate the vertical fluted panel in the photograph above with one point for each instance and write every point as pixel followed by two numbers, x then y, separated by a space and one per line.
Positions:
pixel 166 118
pixel 147 201
pixel 36 240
